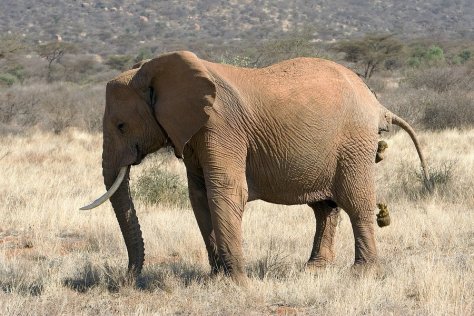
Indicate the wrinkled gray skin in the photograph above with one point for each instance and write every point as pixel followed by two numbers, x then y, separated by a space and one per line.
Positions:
pixel 303 131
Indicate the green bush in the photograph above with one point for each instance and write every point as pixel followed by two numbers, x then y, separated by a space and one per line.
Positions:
pixel 464 56
pixel 159 186
pixel 434 55
pixel 18 71
pixel 119 62
pixel 7 79
pixel 431 56
pixel 414 61
pixel 144 53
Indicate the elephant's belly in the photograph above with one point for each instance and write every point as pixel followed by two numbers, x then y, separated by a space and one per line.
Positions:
pixel 300 185
pixel 290 198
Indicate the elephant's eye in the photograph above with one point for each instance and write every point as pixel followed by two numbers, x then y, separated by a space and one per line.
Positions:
pixel 121 127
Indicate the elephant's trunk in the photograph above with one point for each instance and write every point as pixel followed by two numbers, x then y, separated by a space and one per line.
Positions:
pixel 127 219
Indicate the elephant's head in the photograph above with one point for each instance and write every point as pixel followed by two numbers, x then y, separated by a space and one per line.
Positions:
pixel 164 100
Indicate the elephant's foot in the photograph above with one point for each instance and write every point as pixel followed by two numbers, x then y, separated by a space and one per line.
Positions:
pixel 317 265
pixel 217 266
pixel 240 279
pixel 366 269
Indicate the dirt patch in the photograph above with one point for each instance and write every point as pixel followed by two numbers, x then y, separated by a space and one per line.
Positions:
pixel 72 242
pixel 17 245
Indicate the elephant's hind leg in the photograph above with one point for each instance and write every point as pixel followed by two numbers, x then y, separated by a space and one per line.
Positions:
pixel 327 218
pixel 357 197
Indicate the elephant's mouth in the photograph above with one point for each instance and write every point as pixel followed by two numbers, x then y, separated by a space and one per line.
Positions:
pixel 139 156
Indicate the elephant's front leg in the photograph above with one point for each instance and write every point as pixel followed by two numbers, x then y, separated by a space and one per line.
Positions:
pixel 327 218
pixel 200 205
pixel 227 196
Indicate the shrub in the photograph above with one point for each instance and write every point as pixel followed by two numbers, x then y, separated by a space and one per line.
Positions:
pixel 239 61
pixel 406 102
pixel 453 109
pixel 432 110
pixel 464 56
pixel 53 107
pixel 435 98
pixel 294 44
pixel 159 186
pixel 376 84
pixel 7 79
pixel 409 180
pixel 81 68
pixel 17 105
pixel 434 55
pixel 144 53
pixel 414 61
pixel 441 79
pixel 440 176
pixel 120 62
pixel 273 265
pixel 17 71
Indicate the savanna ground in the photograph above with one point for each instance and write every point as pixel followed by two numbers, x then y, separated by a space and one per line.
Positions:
pixel 55 259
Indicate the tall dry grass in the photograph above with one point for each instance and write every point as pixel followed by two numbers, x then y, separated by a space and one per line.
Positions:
pixel 55 259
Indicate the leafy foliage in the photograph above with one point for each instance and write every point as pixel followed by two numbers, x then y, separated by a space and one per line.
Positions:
pixel 432 56
pixel 464 56
pixel 144 53
pixel 7 79
pixel 370 52
pixel 158 185
pixel 119 62
pixel 294 44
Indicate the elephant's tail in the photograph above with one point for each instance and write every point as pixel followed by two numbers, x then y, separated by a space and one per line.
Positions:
pixel 407 128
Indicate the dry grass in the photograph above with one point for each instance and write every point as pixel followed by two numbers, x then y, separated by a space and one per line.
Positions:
pixel 55 259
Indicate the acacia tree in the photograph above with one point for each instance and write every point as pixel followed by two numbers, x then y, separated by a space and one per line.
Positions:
pixel 295 44
pixel 370 52
pixel 53 52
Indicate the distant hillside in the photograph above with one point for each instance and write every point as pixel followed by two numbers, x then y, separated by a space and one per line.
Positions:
pixel 115 26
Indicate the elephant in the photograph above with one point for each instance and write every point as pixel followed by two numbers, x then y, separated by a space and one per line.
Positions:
pixel 302 131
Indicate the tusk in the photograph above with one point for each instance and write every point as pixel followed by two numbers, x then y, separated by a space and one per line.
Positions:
pixel 110 192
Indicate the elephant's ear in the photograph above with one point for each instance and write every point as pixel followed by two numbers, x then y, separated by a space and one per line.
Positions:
pixel 184 91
